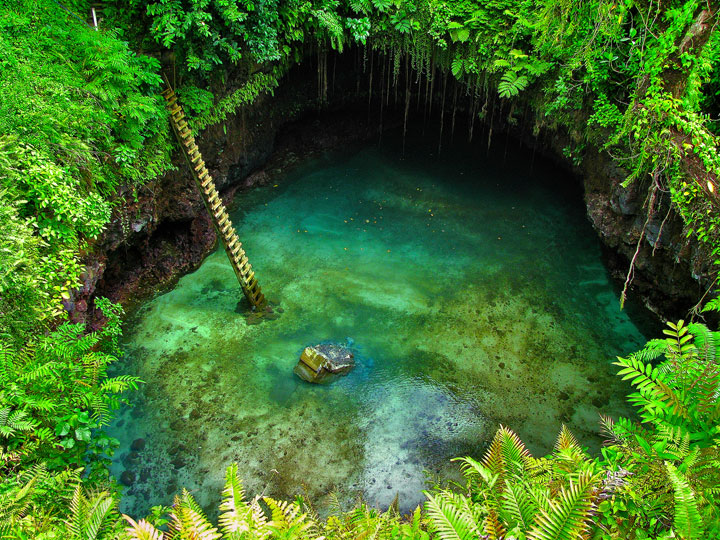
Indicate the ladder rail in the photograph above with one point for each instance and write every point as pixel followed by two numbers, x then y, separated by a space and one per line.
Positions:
pixel 213 203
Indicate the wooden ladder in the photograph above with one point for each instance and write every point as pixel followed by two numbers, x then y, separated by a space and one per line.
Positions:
pixel 213 202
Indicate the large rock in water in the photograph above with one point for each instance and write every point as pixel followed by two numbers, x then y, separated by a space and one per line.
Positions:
pixel 321 361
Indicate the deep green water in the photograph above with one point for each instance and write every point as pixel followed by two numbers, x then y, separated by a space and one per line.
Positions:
pixel 471 291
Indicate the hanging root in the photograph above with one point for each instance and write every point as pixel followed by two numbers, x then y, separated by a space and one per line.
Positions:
pixel 662 227
pixel 631 270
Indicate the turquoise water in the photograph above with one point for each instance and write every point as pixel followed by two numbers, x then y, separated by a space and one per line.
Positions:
pixel 471 291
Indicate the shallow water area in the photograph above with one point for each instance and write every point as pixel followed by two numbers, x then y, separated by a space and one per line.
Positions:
pixel 470 289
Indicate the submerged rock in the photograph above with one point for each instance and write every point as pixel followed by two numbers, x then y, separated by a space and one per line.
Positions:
pixel 317 363
pixel 127 478
pixel 137 445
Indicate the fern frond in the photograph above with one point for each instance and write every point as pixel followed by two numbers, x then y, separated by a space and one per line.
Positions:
pixel 450 520
pixel 236 515
pixel 507 455
pixel 652 350
pixel 493 527
pixel 706 341
pixel 651 386
pixel 100 509
pixel 688 522
pixel 189 521
pixel 76 513
pixel 288 520
pixel 472 469
pixel 518 506
pixel 568 517
pixel 566 440
pixel 142 530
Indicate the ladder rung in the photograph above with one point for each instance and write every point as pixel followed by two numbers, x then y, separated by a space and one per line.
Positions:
pixel 191 147
pixel 193 159
pixel 180 123
pixel 202 177
pixel 212 199
pixel 223 220
pixel 188 136
pixel 214 208
pixel 199 166
pixel 172 100
pixel 174 110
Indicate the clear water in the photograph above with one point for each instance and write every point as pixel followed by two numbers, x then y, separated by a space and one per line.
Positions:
pixel 471 291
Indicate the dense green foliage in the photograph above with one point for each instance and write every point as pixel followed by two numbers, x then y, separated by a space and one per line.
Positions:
pixel 79 117
pixel 82 128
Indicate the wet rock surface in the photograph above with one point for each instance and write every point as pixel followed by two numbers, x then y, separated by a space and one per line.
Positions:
pixel 319 363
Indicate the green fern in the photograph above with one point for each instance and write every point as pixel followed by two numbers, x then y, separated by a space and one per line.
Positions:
pixel 288 521
pixel 507 455
pixel 570 514
pixel 189 521
pixel 511 84
pixel 519 507
pixel 142 530
pixel 450 519
pixel 91 515
pixel 688 522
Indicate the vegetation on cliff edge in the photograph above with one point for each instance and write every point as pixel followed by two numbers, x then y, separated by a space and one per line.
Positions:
pixel 82 129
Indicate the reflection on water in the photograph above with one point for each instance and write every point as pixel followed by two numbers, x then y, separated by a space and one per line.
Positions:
pixel 471 292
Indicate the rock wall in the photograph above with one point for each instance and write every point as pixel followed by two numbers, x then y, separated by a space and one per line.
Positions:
pixel 672 273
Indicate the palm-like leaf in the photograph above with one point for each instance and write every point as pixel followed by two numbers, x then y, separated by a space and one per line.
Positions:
pixel 519 507
pixel 288 520
pixel 237 516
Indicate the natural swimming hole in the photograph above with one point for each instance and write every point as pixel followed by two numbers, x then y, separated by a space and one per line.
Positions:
pixel 470 289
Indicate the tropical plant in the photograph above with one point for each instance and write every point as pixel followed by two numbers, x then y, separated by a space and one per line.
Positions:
pixel 510 494
pixel 673 456
pixel 55 393
pixel 40 504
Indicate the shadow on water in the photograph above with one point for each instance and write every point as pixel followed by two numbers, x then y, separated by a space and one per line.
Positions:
pixel 472 292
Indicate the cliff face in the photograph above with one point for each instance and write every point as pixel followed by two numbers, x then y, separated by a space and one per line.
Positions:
pixel 671 272
pixel 164 231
